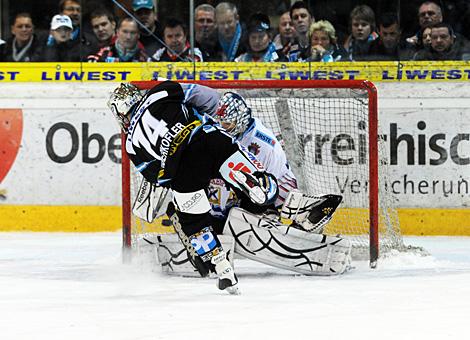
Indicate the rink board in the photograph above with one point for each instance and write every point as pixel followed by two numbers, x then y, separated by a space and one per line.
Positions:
pixel 96 219
pixel 61 152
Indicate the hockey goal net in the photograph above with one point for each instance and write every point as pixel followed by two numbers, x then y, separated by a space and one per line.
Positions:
pixel 329 130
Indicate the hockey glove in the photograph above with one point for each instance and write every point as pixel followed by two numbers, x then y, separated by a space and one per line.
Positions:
pixel 261 187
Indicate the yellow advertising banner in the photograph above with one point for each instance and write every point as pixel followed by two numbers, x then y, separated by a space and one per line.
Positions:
pixel 116 72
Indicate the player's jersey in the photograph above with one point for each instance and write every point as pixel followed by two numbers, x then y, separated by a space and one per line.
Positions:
pixel 262 143
pixel 166 120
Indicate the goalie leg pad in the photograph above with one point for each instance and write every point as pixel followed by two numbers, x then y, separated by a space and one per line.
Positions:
pixel 278 245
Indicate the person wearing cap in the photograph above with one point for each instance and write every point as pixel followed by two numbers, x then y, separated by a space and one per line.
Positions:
pixel 73 9
pixel 151 33
pixel 126 47
pixel 177 45
pixel 231 36
pixel 260 45
pixel 64 48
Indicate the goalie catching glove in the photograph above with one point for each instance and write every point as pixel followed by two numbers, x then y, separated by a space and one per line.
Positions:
pixel 309 212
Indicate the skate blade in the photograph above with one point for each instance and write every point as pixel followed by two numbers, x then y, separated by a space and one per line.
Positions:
pixel 233 290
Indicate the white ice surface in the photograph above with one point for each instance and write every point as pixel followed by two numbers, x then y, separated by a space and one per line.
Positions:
pixel 74 286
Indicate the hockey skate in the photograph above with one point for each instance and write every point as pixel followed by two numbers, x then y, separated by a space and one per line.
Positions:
pixel 227 279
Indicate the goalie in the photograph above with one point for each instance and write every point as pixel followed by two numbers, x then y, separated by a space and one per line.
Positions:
pixel 172 143
pixel 264 238
pixel 307 212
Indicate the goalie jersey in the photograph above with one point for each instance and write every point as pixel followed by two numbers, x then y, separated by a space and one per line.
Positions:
pixel 261 142
pixel 165 121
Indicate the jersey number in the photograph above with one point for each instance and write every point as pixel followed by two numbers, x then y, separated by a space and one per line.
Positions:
pixel 146 133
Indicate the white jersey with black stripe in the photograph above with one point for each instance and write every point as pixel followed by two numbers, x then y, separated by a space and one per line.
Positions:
pixel 262 143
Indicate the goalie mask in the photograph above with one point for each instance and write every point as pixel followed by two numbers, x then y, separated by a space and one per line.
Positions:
pixel 121 101
pixel 233 113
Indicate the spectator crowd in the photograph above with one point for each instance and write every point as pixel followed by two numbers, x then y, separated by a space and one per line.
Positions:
pixel 221 35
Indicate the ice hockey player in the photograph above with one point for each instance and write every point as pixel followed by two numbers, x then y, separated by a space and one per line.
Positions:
pixel 172 142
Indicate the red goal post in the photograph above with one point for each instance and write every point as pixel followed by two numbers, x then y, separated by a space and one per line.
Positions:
pixel 270 91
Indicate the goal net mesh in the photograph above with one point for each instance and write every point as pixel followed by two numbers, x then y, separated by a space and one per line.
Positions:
pixel 325 133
